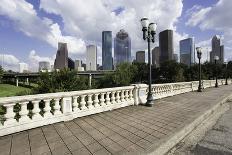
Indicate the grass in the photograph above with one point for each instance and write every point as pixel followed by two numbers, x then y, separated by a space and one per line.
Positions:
pixel 7 90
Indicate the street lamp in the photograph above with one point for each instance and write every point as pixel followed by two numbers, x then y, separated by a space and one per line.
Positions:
pixel 216 58
pixel 199 53
pixel 226 73
pixel 149 31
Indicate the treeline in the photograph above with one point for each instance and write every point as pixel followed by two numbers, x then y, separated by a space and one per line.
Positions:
pixel 126 74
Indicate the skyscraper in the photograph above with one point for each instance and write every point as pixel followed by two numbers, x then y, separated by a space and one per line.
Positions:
pixel 61 60
pixel 91 58
pixel 156 57
pixel 122 47
pixel 166 45
pixel 44 66
pixel 187 51
pixel 175 57
pixel 107 50
pixel 140 56
pixel 23 67
pixel 217 50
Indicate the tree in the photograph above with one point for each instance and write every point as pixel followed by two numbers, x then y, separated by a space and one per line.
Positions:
pixel 125 74
pixel 1 73
pixel 171 71
pixel 60 81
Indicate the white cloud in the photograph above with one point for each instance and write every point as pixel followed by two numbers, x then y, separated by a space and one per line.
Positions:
pixel 9 62
pixel 26 20
pixel 216 17
pixel 34 60
pixel 84 20
pixel 88 25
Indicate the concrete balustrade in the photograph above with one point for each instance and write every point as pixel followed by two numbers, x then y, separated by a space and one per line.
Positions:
pixel 64 106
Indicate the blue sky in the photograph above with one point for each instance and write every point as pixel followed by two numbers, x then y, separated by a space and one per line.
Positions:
pixel 30 29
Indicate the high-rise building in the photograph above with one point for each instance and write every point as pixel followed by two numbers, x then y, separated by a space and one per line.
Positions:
pixel 44 66
pixel 166 45
pixel 61 60
pixel 122 47
pixel 140 56
pixel 71 64
pixel 156 57
pixel 175 57
pixel 187 51
pixel 222 54
pixel 217 50
pixel 91 58
pixel 23 67
pixel 78 65
pixel 107 50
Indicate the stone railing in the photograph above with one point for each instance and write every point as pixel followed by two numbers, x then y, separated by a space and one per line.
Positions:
pixel 39 110
pixel 26 112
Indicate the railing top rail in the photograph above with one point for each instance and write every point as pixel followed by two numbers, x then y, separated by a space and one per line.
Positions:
pixel 27 98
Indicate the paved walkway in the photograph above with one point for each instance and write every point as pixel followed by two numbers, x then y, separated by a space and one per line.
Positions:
pixel 129 130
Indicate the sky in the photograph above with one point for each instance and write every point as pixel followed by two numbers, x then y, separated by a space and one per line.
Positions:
pixel 31 29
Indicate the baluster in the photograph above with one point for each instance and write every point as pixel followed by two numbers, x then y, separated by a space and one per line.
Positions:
pixel 57 107
pixel 126 95
pixel 24 112
pixel 113 97
pixel 83 103
pixel 96 100
pixel 47 109
pixel 117 97
pixel 90 102
pixel 36 110
pixel 131 96
pixel 122 96
pixel 102 100
pixel 107 98
pixel 9 114
pixel 75 104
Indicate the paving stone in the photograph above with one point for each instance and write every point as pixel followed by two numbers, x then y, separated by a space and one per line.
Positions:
pixel 114 148
pixel 143 143
pixel 87 140
pixel 106 142
pixel 116 137
pixel 75 146
pixel 41 150
pixel 82 151
pixel 102 152
pixel 94 147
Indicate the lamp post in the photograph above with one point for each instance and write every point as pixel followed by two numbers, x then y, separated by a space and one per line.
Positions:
pixel 149 31
pixel 226 73
pixel 199 53
pixel 216 58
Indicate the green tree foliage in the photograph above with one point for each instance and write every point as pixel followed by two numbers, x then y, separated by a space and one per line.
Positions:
pixel 171 71
pixel 60 81
pixel 1 73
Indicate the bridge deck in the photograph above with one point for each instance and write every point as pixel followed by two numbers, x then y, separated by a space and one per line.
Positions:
pixel 134 129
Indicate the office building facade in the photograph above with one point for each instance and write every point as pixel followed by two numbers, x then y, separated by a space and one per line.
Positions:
pixel 44 66
pixel 61 60
pixel 140 56
pixel 187 51
pixel 156 57
pixel 166 45
pixel 217 49
pixel 107 50
pixel 91 58
pixel 122 48
pixel 23 67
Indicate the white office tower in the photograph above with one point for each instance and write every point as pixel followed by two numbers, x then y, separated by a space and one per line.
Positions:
pixel 44 66
pixel 23 67
pixel 91 58
pixel 78 65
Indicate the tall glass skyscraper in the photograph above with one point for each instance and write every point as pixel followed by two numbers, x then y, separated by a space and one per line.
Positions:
pixel 166 45
pixel 107 50
pixel 122 47
pixel 187 51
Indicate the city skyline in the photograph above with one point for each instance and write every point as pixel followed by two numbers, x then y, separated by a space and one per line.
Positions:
pixel 22 42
